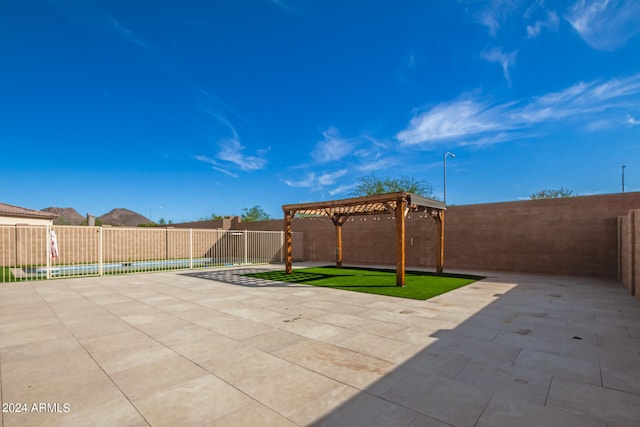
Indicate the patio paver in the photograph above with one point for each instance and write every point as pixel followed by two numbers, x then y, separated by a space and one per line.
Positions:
pixel 215 348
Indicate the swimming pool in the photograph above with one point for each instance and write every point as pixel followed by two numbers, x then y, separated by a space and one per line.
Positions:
pixel 126 267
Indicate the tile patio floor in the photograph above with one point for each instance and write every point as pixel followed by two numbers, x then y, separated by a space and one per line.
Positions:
pixel 215 348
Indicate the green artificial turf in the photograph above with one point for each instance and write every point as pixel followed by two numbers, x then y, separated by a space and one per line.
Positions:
pixel 418 285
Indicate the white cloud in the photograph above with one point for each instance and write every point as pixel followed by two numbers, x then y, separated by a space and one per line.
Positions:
pixel 123 31
pixel 505 60
pixel 331 148
pixel 492 139
pixel 375 165
pixel 342 189
pixel 472 121
pixel 556 105
pixel 331 177
pixel 337 161
pixel 308 181
pixel 618 88
pixel 373 155
pixel 489 20
pixel 231 151
pixel 632 121
pixel 531 9
pixel 605 24
pixel 218 104
pixel 490 17
pixel 317 182
pixel 582 99
pixel 451 120
pixel 215 165
pixel 495 13
pixel 551 23
pixel 600 125
pixel 205 159
pixel 230 155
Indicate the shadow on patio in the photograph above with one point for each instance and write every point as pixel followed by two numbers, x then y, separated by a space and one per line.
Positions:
pixel 509 350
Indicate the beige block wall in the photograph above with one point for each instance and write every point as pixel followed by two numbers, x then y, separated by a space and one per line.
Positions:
pixel 572 236
pixel 576 235
pixel 636 254
pixel 24 245
pixel 76 245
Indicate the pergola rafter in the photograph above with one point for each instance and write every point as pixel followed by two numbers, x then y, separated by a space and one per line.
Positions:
pixel 398 204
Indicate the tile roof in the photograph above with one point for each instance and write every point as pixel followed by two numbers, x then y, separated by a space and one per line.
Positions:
pixel 10 210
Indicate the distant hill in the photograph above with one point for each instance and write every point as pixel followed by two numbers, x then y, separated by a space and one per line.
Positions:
pixel 121 216
pixel 66 216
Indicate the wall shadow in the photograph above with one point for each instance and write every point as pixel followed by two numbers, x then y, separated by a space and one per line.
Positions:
pixel 502 351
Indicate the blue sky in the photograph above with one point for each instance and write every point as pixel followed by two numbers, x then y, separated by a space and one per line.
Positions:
pixel 181 109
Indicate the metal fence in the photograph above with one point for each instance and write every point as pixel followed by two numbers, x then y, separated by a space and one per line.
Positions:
pixel 45 252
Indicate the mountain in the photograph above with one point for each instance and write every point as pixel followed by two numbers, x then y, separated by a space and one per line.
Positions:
pixel 121 216
pixel 66 216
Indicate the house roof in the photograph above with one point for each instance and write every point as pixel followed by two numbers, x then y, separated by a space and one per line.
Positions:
pixel 16 211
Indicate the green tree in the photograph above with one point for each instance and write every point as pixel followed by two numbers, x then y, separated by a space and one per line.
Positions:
pixel 548 193
pixel 255 213
pixel 212 216
pixel 63 221
pixel 161 221
pixel 371 184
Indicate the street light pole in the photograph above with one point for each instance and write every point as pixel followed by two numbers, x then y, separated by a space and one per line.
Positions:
pixel 447 154
pixel 623 166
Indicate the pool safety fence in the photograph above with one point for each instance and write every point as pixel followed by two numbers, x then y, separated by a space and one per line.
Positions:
pixel 47 252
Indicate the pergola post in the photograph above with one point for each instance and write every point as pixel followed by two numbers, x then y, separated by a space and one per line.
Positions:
pixel 338 221
pixel 288 215
pixel 338 246
pixel 440 230
pixel 400 245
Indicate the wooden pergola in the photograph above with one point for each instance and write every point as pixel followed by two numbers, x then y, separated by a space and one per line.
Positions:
pixel 398 204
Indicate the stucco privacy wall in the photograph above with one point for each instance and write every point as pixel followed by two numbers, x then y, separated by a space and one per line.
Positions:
pixel 574 236
pixel 211 224
pixel 629 235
